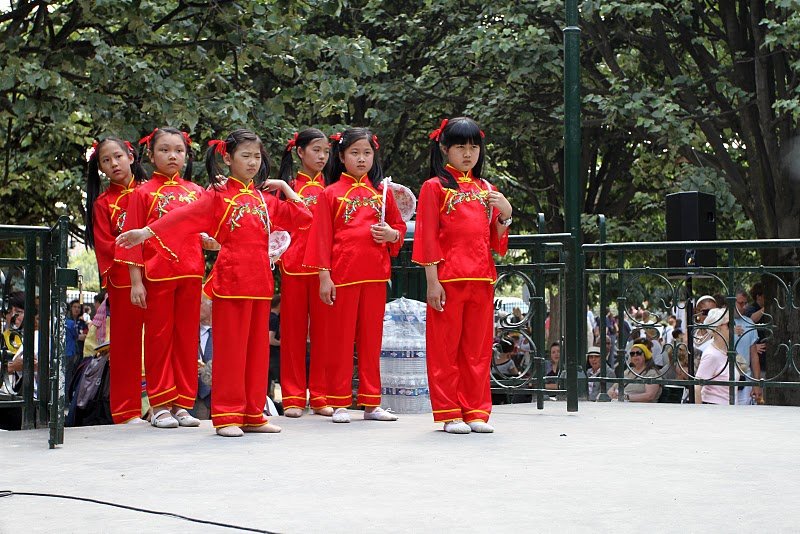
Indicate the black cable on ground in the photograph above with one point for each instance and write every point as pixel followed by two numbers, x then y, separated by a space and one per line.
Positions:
pixel 9 493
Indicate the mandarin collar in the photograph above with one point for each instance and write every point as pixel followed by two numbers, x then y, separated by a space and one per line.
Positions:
pixel 308 179
pixel 166 178
pixel 118 188
pixel 461 177
pixel 243 187
pixel 361 181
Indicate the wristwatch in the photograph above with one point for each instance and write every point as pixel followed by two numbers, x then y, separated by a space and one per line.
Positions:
pixel 506 222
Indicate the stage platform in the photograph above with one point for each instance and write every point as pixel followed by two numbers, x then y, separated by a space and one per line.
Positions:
pixel 608 468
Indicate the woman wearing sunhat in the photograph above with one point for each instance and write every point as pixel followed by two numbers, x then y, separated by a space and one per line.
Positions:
pixel 641 366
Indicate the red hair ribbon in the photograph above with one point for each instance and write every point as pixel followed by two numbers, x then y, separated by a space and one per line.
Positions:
pixel 220 147
pixel 187 139
pixel 130 146
pixel 375 141
pixel 292 143
pixel 337 137
pixel 92 151
pixel 482 134
pixel 437 133
pixel 147 138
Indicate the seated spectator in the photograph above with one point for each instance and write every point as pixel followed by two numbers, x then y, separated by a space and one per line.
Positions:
pixel 641 366
pixel 714 362
pixel 593 370
pixel 504 357
pixel 205 353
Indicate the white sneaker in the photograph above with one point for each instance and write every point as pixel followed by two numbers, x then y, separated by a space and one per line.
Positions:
pixel 481 427
pixel 379 414
pixel 457 427
pixel 341 416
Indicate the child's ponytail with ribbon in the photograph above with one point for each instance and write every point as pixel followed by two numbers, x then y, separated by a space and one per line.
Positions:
pixel 93 185
pixel 298 140
pixel 458 131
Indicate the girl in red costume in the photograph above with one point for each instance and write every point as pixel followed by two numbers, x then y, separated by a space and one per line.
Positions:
pixel 105 216
pixel 239 215
pixel 461 219
pixel 171 324
pixel 301 308
pixel 350 245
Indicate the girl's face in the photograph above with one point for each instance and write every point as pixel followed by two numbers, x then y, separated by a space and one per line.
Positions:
pixel 314 156
pixel 245 161
pixel 358 158
pixel 462 157
pixel 169 154
pixel 115 162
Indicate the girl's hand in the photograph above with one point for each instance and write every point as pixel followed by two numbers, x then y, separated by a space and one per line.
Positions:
pixel 131 238
pixel 138 294
pixel 327 291
pixel 221 181
pixel 276 185
pixel 498 201
pixel 383 233
pixel 435 296
pixel 208 242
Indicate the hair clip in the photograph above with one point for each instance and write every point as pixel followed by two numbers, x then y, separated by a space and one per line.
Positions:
pixel 292 143
pixel 92 152
pixel 220 147
pixel 337 137
pixel 187 139
pixel 130 146
pixel 375 141
pixel 147 138
pixel 482 134
pixel 437 133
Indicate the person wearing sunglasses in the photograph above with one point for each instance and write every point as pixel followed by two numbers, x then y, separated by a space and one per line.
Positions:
pixel 640 366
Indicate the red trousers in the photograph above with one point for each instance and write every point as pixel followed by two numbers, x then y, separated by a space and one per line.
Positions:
pixel 171 338
pixel 240 334
pixel 459 352
pixel 299 301
pixel 356 316
pixel 125 386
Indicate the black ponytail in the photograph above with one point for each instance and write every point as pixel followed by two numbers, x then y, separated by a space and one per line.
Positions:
pixel 230 144
pixel 299 140
pixel 93 181
pixel 458 131
pixel 340 143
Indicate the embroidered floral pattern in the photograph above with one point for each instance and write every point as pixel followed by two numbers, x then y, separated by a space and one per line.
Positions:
pixel 188 198
pixel 309 200
pixel 240 210
pixel 121 221
pixel 353 204
pixel 162 201
pixel 466 196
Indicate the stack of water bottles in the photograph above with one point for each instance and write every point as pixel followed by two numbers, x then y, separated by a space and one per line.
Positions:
pixel 404 377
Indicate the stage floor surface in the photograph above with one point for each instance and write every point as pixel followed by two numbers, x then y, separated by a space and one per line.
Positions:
pixel 608 467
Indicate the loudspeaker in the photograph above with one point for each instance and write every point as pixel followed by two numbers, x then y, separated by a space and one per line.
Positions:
pixel 691 216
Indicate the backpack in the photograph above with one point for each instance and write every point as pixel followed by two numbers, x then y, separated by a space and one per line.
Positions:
pixel 90 400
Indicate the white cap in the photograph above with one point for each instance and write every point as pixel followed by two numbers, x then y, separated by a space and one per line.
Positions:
pixel 717 316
